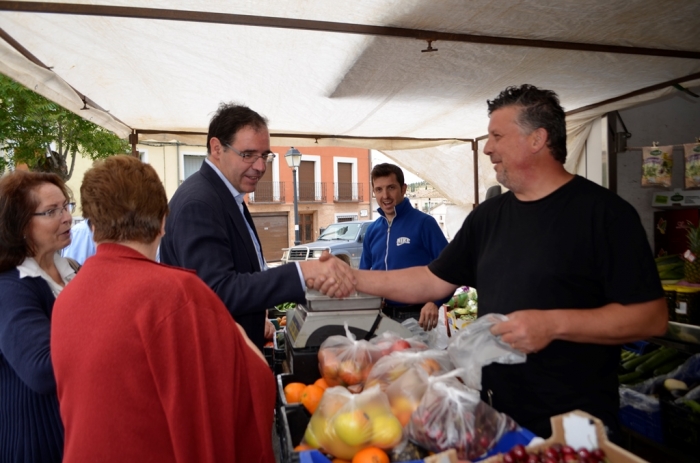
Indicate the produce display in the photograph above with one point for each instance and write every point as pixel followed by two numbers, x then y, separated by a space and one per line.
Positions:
pixel 635 368
pixel 464 303
pixel 556 453
pixel 670 267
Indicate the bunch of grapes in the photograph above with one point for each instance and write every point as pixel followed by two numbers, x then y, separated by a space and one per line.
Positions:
pixel 557 453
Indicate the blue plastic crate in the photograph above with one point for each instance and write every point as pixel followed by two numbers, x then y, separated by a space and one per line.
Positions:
pixel 648 424
pixel 640 347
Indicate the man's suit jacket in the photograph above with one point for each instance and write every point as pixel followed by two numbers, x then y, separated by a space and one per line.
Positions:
pixel 206 231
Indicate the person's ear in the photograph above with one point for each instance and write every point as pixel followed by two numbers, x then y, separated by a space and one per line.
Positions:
pixel 215 148
pixel 162 227
pixel 538 139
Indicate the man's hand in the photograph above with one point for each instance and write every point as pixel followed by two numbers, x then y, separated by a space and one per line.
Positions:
pixel 428 316
pixel 329 275
pixel 269 329
pixel 528 331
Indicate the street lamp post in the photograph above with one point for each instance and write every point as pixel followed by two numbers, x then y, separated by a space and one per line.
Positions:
pixel 293 158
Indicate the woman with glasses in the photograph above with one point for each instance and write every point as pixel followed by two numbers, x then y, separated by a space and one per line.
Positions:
pixel 35 222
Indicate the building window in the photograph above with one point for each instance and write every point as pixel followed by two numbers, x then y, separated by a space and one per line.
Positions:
pixel 345 217
pixel 191 164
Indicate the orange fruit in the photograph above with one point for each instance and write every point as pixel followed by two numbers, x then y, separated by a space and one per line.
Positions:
pixel 311 397
pixel 371 455
pixel 292 392
pixel 320 382
pixel 302 448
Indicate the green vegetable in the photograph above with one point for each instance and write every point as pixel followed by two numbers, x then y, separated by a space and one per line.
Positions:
pixel 462 299
pixel 671 258
pixel 632 364
pixel 670 366
pixel 657 360
pixel 694 406
pixel 462 311
pixel 629 377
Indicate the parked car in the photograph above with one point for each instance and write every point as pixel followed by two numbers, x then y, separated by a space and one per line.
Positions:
pixel 342 239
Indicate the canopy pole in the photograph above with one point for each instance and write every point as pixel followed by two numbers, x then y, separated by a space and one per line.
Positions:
pixel 134 139
pixel 475 150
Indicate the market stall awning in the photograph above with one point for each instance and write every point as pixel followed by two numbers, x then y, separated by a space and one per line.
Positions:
pixel 407 78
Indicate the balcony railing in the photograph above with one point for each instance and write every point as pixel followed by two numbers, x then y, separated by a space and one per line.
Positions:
pixel 267 192
pixel 347 192
pixel 312 192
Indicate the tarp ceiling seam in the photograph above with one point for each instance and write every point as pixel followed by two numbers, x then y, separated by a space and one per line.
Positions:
pixel 327 26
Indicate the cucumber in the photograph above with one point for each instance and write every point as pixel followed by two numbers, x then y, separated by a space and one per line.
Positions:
pixel 657 360
pixel 693 405
pixel 632 364
pixel 629 377
pixel 670 366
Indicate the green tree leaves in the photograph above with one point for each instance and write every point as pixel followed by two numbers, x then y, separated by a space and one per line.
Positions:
pixel 29 124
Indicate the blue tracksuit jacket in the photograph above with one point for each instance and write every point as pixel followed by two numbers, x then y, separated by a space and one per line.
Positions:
pixel 414 238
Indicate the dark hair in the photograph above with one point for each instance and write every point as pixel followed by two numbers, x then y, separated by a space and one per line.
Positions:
pixel 540 109
pixel 17 205
pixel 386 169
pixel 124 200
pixel 229 119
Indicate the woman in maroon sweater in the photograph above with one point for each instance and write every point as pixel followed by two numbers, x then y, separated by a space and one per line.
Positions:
pixel 150 366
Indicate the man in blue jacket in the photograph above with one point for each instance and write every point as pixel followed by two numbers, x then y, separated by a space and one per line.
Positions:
pixel 402 237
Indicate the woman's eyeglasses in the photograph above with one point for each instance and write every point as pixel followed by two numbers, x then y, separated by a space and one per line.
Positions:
pixel 57 212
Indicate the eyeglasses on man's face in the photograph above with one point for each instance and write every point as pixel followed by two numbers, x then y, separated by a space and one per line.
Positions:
pixel 58 211
pixel 249 157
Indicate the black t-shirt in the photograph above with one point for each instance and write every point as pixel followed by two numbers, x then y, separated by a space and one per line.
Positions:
pixel 580 247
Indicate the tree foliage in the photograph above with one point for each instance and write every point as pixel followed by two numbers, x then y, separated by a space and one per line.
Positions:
pixel 30 124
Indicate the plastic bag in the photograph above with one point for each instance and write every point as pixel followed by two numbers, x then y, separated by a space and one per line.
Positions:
pixel 345 423
pixel 475 347
pixel 440 337
pixel 345 361
pixel 389 341
pixel 451 415
pixel 390 368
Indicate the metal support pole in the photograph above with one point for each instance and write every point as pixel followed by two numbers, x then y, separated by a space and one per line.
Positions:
pixel 296 208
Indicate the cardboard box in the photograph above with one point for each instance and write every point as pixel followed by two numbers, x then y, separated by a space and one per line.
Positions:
pixel 574 429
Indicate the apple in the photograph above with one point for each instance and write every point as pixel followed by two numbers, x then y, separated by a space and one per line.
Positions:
pixel 400 344
pixel 386 431
pixel 402 408
pixel 349 372
pixel 353 427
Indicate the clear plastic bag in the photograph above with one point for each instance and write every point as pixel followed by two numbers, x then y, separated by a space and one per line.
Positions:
pixel 345 361
pixel 391 367
pixel 475 347
pixel 346 423
pixel 451 415
pixel 389 341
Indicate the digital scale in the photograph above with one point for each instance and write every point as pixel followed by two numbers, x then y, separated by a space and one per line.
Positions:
pixel 322 316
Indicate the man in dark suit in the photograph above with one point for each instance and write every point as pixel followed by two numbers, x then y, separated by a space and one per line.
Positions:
pixel 210 230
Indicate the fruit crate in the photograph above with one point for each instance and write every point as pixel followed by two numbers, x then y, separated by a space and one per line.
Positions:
pixel 279 354
pixel 681 427
pixel 646 423
pixel 640 347
pixel 267 352
pixel 286 378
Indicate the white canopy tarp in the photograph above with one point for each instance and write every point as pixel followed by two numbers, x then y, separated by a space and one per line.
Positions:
pixel 347 73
